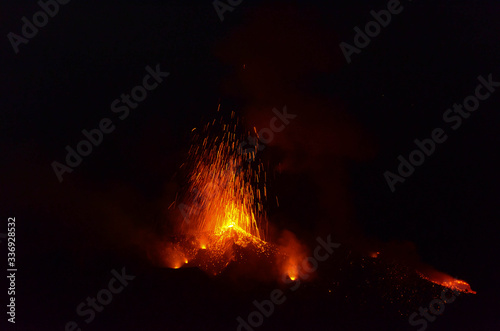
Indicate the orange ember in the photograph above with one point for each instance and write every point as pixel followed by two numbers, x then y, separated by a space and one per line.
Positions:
pixel 222 194
pixel 444 280
pixel 223 207
pixel 224 218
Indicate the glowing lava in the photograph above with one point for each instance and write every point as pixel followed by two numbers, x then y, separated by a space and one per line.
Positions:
pixel 444 280
pixel 224 191
pixel 224 214
pixel 223 206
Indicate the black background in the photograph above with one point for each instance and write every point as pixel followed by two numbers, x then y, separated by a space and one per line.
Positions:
pixel 71 234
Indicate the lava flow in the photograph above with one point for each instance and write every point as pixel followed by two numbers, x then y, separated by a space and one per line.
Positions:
pixel 444 280
pixel 224 213
pixel 224 217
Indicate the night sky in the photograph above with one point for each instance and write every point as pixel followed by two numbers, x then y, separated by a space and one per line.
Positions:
pixel 354 118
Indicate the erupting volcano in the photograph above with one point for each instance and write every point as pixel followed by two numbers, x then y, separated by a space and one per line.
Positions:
pixel 223 211
pixel 224 218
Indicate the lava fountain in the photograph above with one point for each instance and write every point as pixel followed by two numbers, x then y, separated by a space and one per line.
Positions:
pixel 224 214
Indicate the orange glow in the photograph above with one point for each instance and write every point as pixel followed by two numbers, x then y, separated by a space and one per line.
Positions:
pixel 442 279
pixel 225 198
pixel 291 268
pixel 294 255
pixel 221 187
pixel 173 256
pixel 224 214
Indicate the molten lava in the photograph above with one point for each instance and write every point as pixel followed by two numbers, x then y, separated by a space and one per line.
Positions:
pixel 444 280
pixel 223 209
pixel 224 214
